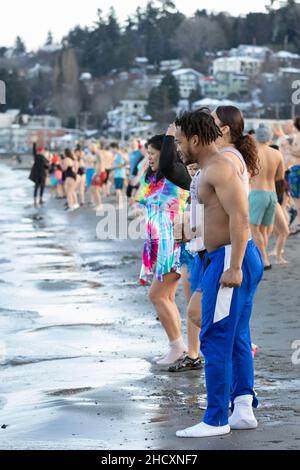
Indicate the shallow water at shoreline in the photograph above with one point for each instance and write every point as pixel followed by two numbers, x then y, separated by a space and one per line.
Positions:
pixel 77 334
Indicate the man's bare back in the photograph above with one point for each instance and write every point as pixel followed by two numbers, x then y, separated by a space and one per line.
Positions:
pixel 271 169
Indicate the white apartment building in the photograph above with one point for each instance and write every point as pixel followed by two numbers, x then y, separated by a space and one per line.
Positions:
pixel 248 66
pixel 188 80
pixel 129 115
pixel 248 50
pixel 171 65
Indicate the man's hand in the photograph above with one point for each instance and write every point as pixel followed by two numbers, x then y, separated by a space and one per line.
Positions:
pixel 232 278
pixel 171 130
pixel 34 139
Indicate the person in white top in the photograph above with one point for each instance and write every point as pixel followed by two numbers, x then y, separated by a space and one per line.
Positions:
pixel 222 282
pixel 231 122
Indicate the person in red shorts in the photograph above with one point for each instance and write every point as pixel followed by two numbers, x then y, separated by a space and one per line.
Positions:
pixel 98 181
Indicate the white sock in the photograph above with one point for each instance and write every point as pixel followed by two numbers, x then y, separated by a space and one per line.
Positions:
pixel 204 430
pixel 176 351
pixel 243 416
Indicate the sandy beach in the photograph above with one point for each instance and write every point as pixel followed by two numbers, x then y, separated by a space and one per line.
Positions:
pixel 77 333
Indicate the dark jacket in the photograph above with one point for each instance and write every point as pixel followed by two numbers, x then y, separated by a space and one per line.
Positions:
pixel 38 172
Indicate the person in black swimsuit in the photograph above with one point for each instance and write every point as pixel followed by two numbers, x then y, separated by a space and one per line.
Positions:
pixel 70 166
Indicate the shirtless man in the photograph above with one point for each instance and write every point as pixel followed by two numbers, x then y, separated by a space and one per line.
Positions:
pixel 263 198
pixel 98 179
pixel 108 161
pixel 294 177
pixel 232 269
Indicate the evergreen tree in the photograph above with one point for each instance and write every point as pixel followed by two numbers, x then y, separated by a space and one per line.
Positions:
pixel 20 47
pixel 163 99
pixel 170 85
pixel 195 95
pixel 49 40
pixel 17 95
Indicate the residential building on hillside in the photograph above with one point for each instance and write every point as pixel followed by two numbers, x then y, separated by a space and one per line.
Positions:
pixel 188 80
pixel 248 66
pixel 224 85
pixel 248 50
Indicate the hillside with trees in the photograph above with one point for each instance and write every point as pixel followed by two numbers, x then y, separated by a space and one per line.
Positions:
pixel 82 78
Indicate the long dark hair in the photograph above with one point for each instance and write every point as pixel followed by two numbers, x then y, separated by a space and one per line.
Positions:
pixel 69 154
pixel 233 118
pixel 297 123
pixel 156 142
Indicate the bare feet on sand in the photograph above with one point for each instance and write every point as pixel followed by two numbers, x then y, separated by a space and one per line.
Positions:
pixel 281 261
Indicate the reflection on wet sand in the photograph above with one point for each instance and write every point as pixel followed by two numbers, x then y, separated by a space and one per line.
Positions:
pixel 78 333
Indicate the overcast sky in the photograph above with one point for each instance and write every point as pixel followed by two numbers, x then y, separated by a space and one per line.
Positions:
pixel 32 19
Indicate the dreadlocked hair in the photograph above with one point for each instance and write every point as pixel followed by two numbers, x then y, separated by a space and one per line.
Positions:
pixel 201 123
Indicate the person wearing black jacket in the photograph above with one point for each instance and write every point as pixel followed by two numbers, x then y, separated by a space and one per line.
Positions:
pixel 38 173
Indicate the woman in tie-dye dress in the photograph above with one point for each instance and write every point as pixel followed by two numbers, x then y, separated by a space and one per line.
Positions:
pixel 163 201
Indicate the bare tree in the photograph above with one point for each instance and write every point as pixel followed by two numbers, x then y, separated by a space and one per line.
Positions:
pixel 198 35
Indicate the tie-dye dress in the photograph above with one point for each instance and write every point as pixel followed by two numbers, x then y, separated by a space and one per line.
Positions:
pixel 162 201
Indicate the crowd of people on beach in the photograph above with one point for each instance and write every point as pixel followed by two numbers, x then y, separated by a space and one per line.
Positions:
pixel 86 174
pixel 213 196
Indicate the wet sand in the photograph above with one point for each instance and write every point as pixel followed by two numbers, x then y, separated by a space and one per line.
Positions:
pixel 77 334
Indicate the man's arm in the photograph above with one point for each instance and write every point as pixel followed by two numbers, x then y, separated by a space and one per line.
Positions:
pixel 232 196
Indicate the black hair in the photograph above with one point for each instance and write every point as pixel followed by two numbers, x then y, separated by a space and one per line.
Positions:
pixel 156 142
pixel 201 123
pixel 114 145
pixel 297 122
pixel 69 154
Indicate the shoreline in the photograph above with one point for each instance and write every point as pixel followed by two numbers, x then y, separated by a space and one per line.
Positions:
pixel 80 332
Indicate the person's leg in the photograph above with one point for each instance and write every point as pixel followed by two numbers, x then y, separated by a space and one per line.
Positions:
pixel 194 309
pixel 220 309
pixel 161 295
pixel 193 331
pixel 68 190
pixel 259 240
pixel 193 325
pixel 35 193
pixel 266 231
pixel 42 188
pixel 192 360
pixel 119 198
pixel 285 207
pixel 97 197
pixel 94 195
pixel 82 189
pixel 74 193
pixel 283 233
pixel 243 396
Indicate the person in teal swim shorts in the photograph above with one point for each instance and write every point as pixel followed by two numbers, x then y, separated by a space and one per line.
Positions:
pixel 262 207
pixel 263 198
